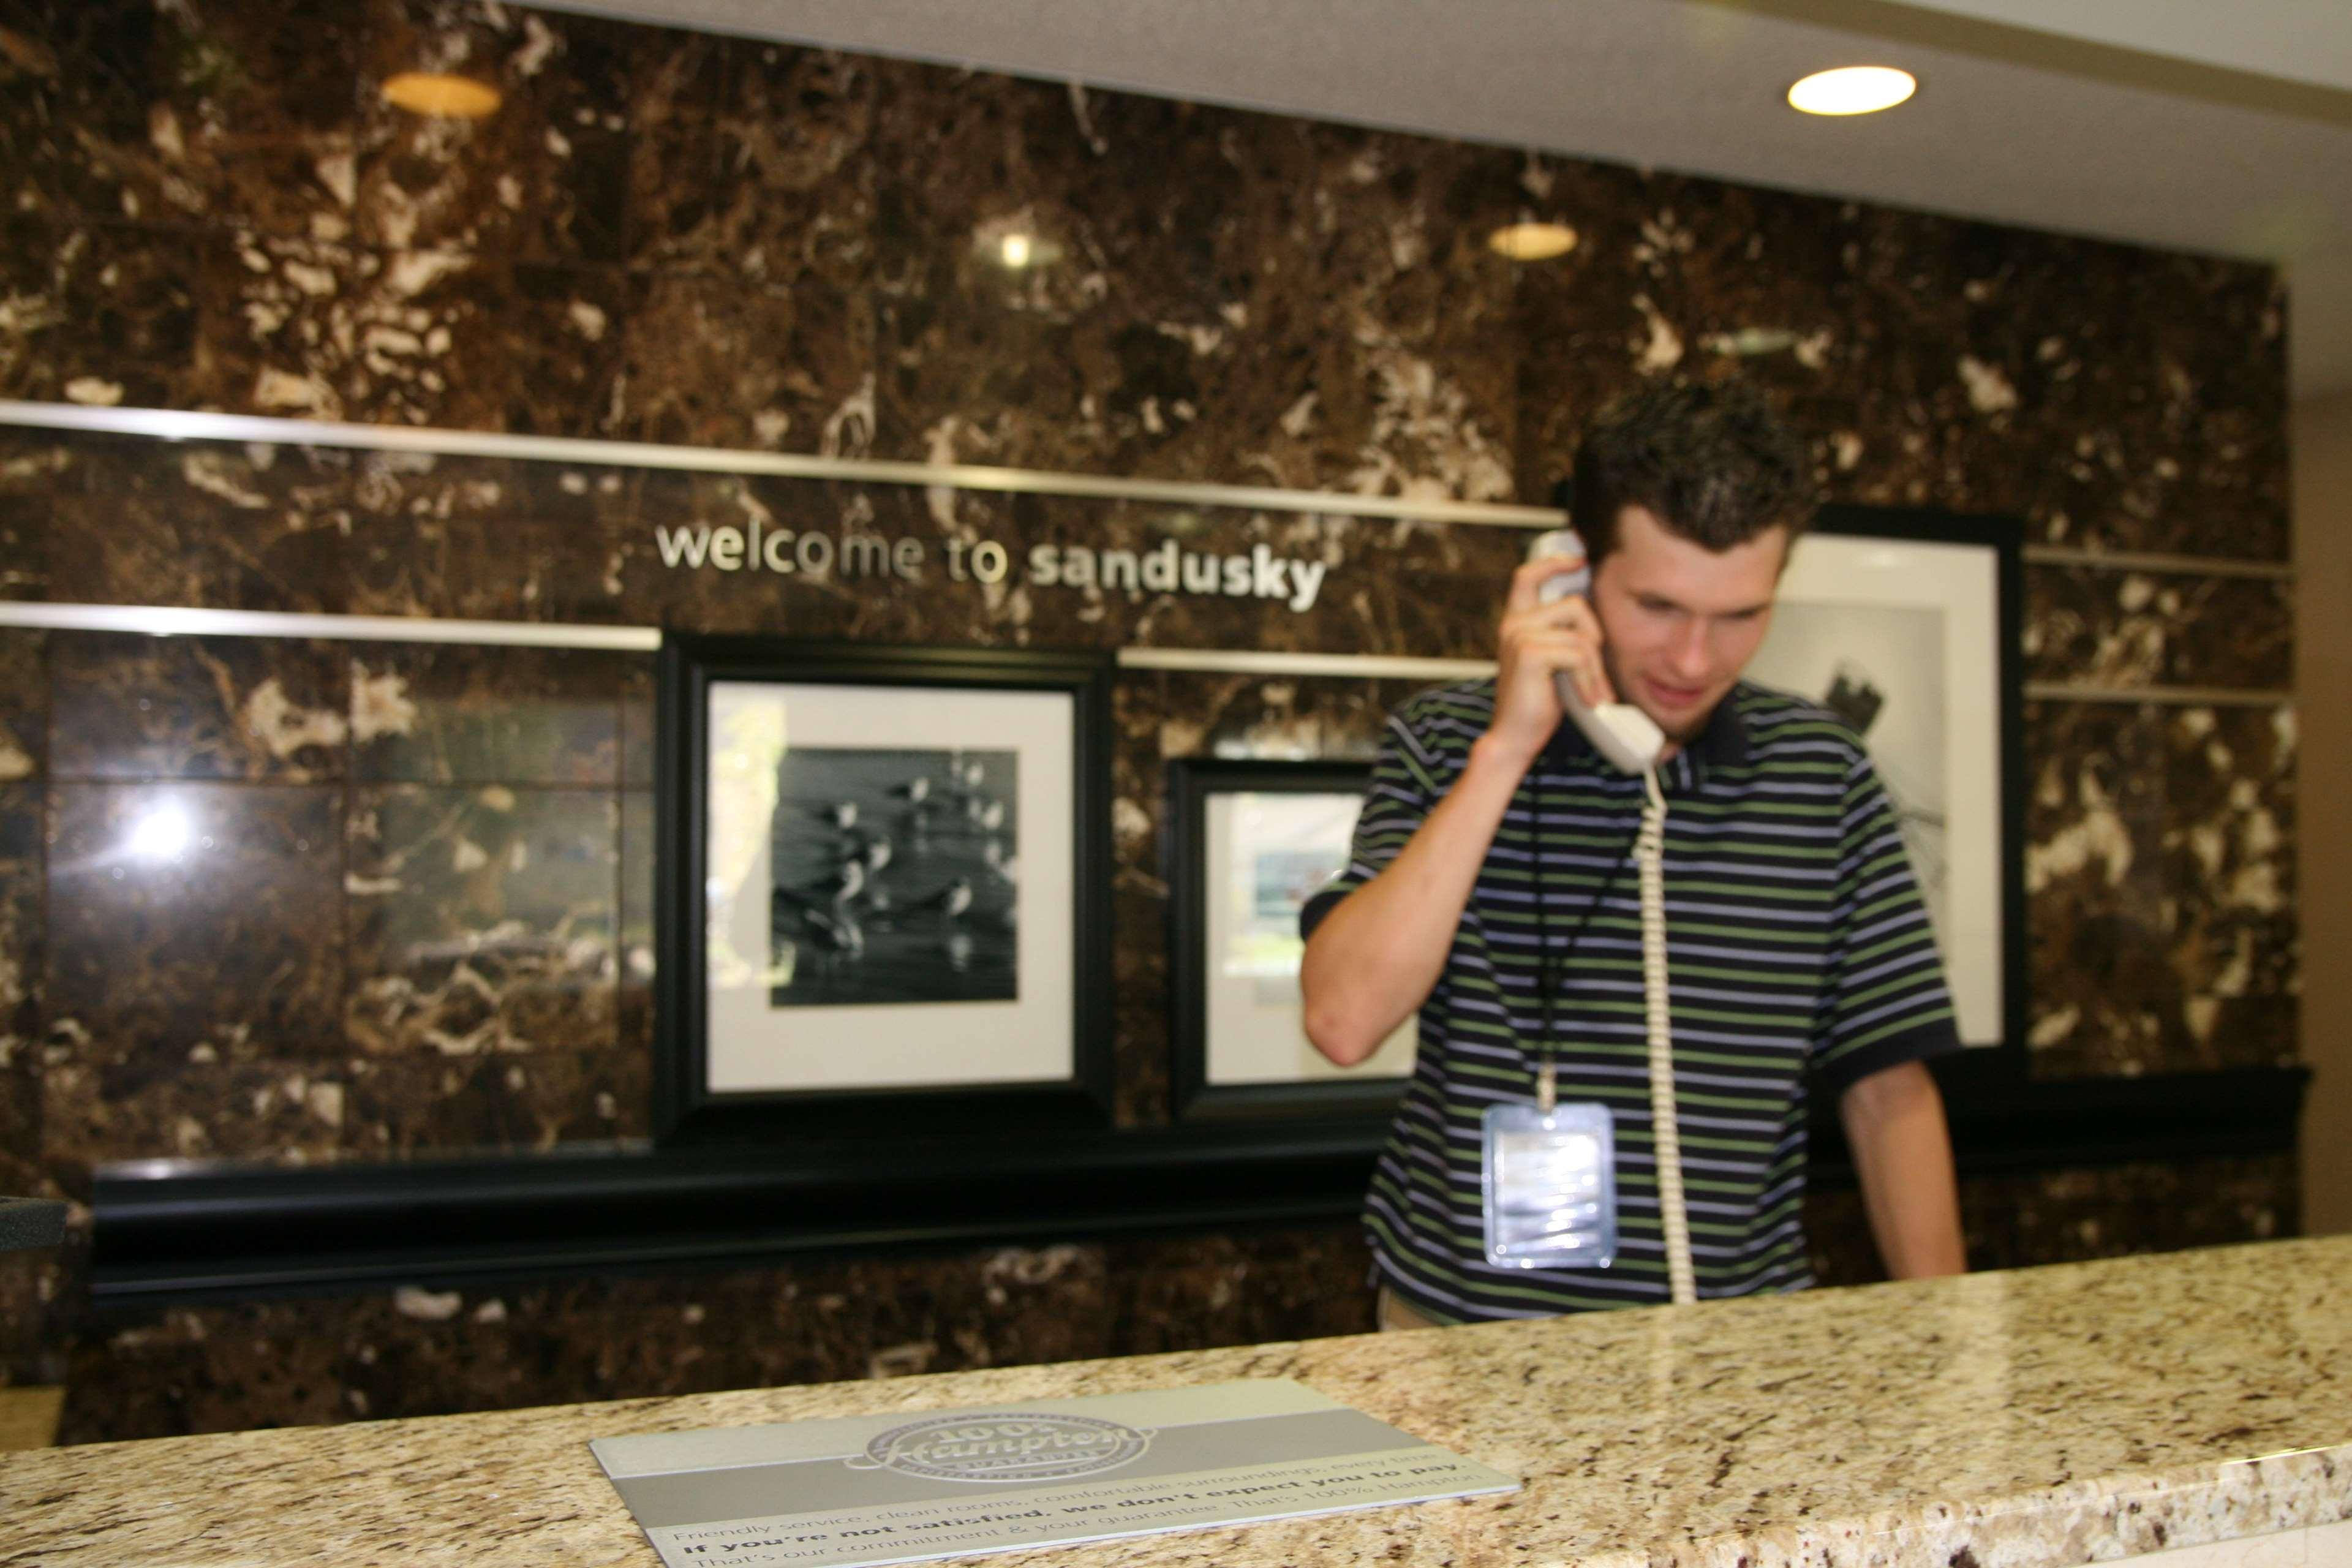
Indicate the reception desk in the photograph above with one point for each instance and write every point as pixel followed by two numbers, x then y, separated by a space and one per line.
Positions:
pixel 2198 1403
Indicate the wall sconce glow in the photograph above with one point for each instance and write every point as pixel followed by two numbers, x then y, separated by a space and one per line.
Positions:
pixel 1016 251
pixel 1852 90
pixel 444 96
pixel 163 834
pixel 1532 241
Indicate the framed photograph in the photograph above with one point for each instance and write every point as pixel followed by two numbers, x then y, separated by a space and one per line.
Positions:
pixel 1906 624
pixel 1248 842
pixel 883 891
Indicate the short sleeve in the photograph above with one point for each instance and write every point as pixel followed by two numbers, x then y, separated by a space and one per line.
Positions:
pixel 1403 791
pixel 1883 1000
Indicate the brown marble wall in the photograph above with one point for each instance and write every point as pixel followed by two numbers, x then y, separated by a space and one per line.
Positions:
pixel 412 913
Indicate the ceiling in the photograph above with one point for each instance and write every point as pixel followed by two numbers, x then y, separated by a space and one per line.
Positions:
pixel 2182 123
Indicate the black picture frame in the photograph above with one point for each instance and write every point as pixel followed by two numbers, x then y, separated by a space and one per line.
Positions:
pixel 686 1110
pixel 1193 784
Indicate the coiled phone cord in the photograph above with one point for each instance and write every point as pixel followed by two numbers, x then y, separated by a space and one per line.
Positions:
pixel 1649 855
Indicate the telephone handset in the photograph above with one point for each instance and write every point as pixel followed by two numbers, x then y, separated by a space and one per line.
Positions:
pixel 1619 732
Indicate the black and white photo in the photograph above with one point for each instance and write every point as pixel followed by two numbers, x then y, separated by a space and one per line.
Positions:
pixel 894 877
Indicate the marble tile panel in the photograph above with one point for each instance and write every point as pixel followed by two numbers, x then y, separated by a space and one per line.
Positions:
pixel 639 720
pixel 2114 1211
pixel 456 338
pixel 2130 629
pixel 22 956
pixel 38 471
pixel 192 924
pixel 1208 294
pixel 100 313
pixel 2114 397
pixel 45 1291
pixel 422 1352
pixel 776 169
pixel 546 177
pixel 2160 880
pixel 24 704
pixel 284 1112
pixel 415 1106
pixel 715 360
pixel 1668 277
pixel 1195 1292
pixel 208 524
pixel 24 534
pixel 676 92
pixel 129 705
pixel 637 955
pixel 2153 420
pixel 481 920
pixel 446 713
pixel 466 545
pixel 244 113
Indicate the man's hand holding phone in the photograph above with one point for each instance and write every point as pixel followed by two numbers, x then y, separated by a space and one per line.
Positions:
pixel 1539 641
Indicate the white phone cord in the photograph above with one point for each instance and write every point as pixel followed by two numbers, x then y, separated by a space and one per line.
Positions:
pixel 1648 850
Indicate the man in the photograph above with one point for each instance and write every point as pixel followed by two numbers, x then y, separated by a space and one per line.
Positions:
pixel 1488 887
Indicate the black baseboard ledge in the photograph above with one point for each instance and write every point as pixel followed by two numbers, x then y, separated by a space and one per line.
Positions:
pixel 183 1234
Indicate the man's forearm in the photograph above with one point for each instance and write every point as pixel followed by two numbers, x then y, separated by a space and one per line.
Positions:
pixel 1377 955
pixel 1903 1152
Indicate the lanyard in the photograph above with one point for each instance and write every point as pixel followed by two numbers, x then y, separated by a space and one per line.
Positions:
pixel 1551 968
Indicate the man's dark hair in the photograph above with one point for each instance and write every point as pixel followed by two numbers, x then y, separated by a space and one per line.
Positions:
pixel 1713 463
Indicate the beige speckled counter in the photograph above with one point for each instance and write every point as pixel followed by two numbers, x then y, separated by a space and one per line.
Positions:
pixel 2047 1417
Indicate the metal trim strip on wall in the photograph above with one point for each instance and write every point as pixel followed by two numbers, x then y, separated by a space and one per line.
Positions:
pixel 174 424
pixel 171 425
pixel 170 621
pixel 2177 696
pixel 164 621
pixel 2144 560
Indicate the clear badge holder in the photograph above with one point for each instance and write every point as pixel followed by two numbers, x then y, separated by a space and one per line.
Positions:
pixel 1550 1184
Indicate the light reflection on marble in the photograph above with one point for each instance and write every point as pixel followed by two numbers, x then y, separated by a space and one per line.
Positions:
pixel 192 922
pixel 2045 1417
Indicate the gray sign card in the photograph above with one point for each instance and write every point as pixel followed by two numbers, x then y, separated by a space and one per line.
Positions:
pixel 908 1488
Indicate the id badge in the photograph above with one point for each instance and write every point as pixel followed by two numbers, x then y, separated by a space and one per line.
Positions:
pixel 1550 1186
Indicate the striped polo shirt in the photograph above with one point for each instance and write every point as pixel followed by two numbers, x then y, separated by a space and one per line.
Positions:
pixel 1799 955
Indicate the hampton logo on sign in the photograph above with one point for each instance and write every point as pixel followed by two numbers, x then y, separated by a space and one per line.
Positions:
pixel 1167 568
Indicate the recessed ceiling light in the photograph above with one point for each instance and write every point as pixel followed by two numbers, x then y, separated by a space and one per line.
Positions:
pixel 1852 90
pixel 1015 250
pixel 448 97
pixel 1533 241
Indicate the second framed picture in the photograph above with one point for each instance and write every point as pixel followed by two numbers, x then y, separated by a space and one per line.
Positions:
pixel 883 890
pixel 1248 842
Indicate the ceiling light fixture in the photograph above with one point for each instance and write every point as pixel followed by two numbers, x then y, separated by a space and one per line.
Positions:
pixel 1532 241
pixel 1015 250
pixel 1852 90
pixel 443 97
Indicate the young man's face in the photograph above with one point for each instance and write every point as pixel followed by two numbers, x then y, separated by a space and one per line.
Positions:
pixel 1680 621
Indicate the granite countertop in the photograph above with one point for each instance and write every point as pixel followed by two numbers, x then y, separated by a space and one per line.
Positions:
pixel 2042 1416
